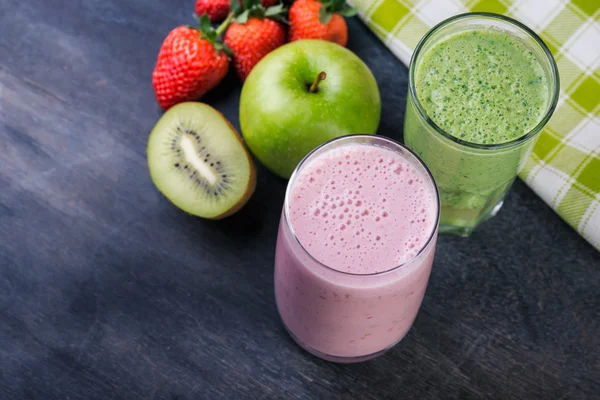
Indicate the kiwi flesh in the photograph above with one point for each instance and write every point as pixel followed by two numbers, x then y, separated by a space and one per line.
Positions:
pixel 198 161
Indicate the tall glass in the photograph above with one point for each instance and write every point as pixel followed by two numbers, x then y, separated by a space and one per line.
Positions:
pixel 472 178
pixel 341 316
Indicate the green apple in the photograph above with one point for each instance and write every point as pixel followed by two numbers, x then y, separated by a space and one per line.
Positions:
pixel 286 109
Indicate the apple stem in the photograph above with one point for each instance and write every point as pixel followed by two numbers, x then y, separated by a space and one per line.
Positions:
pixel 314 88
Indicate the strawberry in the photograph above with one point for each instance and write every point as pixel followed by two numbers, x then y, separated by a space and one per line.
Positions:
pixel 313 19
pixel 252 36
pixel 218 10
pixel 190 63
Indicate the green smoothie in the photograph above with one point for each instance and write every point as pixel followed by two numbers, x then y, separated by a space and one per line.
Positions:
pixel 482 86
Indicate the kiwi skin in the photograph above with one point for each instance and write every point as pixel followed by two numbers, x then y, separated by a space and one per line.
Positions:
pixel 251 184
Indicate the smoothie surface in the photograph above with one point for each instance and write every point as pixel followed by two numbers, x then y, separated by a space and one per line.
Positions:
pixel 482 86
pixel 362 209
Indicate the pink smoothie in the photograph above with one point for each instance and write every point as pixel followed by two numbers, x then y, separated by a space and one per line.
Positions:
pixel 357 211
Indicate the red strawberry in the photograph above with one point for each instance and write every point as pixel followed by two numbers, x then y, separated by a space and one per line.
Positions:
pixel 253 36
pixel 190 63
pixel 217 10
pixel 312 19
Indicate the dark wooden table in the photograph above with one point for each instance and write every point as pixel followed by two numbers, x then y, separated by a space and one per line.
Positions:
pixel 108 291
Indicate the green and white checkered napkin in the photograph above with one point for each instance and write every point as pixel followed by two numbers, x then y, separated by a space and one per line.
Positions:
pixel 564 167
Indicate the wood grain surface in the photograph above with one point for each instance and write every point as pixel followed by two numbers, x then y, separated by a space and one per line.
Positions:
pixel 107 291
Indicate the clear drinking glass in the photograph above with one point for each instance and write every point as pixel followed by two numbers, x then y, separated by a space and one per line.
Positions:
pixel 472 178
pixel 348 317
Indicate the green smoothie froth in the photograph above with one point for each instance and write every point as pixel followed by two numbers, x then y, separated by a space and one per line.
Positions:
pixel 482 86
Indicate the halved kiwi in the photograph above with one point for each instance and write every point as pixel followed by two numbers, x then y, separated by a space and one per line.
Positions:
pixel 198 161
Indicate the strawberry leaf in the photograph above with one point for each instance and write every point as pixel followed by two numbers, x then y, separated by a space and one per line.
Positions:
pixel 274 10
pixel 226 49
pixel 222 47
pixel 348 12
pixel 254 8
pixel 324 15
pixel 243 17
pixel 335 7
pixel 205 24
pixel 235 7
pixel 210 34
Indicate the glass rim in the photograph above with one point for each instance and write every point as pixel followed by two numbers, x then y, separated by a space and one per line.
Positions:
pixel 512 143
pixel 294 176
